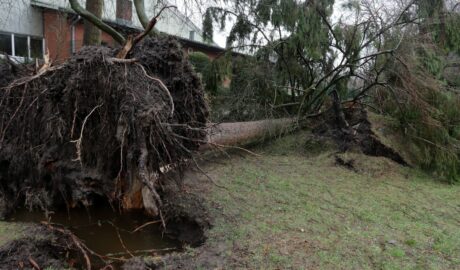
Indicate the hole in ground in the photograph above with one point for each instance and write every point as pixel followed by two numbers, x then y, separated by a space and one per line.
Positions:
pixel 101 228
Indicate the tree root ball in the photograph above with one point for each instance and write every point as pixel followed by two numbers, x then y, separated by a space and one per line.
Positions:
pixel 96 128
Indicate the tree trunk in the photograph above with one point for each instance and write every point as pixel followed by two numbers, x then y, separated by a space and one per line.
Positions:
pixel 140 10
pixel 97 22
pixel 338 110
pixel 142 15
pixel 244 133
pixel 93 34
pixel 442 26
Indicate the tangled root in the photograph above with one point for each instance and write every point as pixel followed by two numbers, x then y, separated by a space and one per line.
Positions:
pixel 93 128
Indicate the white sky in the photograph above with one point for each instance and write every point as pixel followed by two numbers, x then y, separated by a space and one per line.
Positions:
pixel 194 12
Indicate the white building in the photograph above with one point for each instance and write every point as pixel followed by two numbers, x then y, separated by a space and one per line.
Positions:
pixel 29 27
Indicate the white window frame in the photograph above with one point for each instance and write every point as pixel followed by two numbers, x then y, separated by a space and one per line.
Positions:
pixel 13 49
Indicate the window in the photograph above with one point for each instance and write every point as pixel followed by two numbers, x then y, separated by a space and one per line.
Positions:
pixel 192 35
pixel 21 46
pixel 5 44
pixel 36 47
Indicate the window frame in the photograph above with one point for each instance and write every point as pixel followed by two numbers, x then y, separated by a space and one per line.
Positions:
pixel 13 48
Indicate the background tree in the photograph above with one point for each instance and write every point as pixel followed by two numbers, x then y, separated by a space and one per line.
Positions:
pixel 312 56
pixel 92 34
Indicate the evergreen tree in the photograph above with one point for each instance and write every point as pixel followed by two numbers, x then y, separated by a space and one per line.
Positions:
pixel 312 58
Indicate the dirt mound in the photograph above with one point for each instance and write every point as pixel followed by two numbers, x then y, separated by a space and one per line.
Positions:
pixel 187 218
pixel 43 247
pixel 359 136
pixel 96 128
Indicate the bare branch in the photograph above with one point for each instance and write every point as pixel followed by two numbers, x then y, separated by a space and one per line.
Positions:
pixel 132 42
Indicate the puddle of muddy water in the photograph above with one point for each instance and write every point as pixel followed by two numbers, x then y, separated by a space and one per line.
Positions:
pixel 97 228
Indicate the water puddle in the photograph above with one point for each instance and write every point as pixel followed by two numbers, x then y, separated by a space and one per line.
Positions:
pixel 102 228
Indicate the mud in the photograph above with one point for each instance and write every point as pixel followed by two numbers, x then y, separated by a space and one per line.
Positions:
pixel 43 246
pixel 186 217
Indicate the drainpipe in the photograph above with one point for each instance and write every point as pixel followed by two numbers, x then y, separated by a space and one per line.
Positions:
pixel 72 31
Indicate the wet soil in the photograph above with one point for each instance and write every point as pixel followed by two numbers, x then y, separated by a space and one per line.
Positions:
pixel 43 247
pixel 101 228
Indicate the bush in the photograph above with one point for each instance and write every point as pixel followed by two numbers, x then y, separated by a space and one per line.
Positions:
pixel 212 72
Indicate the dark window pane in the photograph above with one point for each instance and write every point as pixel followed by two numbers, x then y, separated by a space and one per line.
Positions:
pixel 20 46
pixel 36 48
pixel 5 43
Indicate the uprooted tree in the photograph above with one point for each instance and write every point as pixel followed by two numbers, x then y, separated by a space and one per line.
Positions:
pixel 378 56
pixel 104 125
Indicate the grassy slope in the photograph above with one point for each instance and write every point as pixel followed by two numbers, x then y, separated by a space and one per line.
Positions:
pixel 288 210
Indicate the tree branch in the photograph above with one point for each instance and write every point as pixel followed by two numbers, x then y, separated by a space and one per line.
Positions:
pixel 97 22
pixel 132 42
pixel 140 10
pixel 150 26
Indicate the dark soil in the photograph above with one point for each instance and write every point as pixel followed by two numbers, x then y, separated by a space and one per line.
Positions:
pixel 187 218
pixel 92 129
pixel 349 164
pixel 359 136
pixel 45 247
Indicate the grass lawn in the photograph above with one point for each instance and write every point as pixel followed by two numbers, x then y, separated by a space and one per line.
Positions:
pixel 10 231
pixel 289 209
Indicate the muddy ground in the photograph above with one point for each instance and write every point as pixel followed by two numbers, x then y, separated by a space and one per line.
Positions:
pixel 51 245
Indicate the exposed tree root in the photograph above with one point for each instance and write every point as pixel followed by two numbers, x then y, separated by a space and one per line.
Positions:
pixel 355 135
pixel 131 117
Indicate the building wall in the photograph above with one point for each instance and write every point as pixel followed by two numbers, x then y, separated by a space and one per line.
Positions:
pixel 171 22
pixel 59 37
pixel 60 33
pixel 51 20
pixel 18 17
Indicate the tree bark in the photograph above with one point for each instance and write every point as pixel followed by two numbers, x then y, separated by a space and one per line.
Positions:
pixel 97 22
pixel 140 10
pixel 92 35
pixel 339 114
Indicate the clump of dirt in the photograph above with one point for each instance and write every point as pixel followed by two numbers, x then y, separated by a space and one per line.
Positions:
pixel 43 247
pixel 358 137
pixel 96 129
pixel 187 218
pixel 9 72
pixel 373 166
pixel 347 163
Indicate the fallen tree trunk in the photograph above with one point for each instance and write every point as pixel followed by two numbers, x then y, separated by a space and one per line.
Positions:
pixel 243 133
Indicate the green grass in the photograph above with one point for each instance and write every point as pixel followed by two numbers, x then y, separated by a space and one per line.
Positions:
pixel 287 209
pixel 10 231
